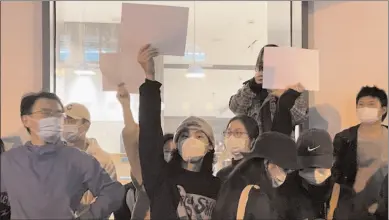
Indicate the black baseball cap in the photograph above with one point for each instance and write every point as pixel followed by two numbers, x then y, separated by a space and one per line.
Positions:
pixel 278 148
pixel 315 149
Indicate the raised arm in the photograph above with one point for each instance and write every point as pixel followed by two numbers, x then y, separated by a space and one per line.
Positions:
pixel 109 193
pixel 150 130
pixel 130 133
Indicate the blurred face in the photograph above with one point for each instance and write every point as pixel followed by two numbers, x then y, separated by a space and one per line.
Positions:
pixel 236 139
pixel 258 77
pixel 168 150
pixel 369 109
pixel 193 145
pixel 169 146
pixel 42 109
pixel 75 129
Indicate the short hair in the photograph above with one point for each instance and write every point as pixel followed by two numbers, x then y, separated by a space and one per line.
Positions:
pixel 374 92
pixel 259 64
pixel 30 99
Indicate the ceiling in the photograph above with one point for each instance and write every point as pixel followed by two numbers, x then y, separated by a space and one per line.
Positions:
pixel 224 30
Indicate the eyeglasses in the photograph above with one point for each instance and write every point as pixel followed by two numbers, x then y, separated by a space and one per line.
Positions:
pixel 50 113
pixel 236 134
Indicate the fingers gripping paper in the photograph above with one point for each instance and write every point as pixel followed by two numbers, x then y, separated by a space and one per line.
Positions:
pixel 165 27
pixel 286 66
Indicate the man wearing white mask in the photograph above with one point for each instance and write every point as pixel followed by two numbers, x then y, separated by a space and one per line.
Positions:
pixel 77 123
pixel 362 150
pixel 45 179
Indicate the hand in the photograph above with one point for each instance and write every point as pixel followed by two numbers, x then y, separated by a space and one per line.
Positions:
pixel 145 59
pixel 122 94
pixel 297 87
pixel 277 92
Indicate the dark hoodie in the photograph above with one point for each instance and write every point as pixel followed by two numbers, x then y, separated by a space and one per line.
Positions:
pixel 174 192
pixel 313 201
pixel 5 209
pixel 266 202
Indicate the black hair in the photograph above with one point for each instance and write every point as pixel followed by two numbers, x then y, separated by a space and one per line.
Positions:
pixel 2 148
pixel 249 124
pixel 259 64
pixel 167 137
pixel 28 101
pixel 374 92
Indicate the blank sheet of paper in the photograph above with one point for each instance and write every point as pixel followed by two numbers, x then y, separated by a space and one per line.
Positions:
pixel 165 27
pixel 286 66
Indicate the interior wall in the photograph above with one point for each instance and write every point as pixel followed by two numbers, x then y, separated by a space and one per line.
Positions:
pixel 21 60
pixel 352 38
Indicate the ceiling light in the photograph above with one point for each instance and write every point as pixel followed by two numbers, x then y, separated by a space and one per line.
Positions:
pixel 195 71
pixel 84 72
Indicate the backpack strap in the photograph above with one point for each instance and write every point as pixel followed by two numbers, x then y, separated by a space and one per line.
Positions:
pixel 244 197
pixel 333 201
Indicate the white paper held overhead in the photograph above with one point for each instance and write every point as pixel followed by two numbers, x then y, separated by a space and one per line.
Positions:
pixel 165 27
pixel 286 66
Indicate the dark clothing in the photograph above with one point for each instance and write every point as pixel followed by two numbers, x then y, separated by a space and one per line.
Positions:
pixel 264 203
pixel 313 202
pixel 345 152
pixel 382 211
pixel 5 209
pixel 225 172
pixel 173 192
pixel 124 213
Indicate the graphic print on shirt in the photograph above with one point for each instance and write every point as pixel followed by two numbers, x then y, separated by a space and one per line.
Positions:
pixel 193 206
pixel 4 205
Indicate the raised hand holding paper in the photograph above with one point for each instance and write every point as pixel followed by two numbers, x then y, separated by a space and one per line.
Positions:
pixel 286 66
pixel 165 27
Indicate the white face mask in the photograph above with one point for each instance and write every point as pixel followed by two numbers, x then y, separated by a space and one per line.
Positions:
pixel 168 156
pixel 315 176
pixel 368 115
pixel 50 129
pixel 192 149
pixel 276 174
pixel 71 133
pixel 235 146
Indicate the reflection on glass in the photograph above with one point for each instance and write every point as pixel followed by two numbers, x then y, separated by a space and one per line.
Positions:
pixel 224 33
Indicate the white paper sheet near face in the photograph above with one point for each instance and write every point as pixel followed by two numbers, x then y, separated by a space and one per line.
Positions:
pixel 286 66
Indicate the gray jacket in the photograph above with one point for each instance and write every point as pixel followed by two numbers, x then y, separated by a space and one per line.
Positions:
pixel 47 182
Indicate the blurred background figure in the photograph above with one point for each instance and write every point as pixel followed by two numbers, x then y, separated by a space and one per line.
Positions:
pixel 77 123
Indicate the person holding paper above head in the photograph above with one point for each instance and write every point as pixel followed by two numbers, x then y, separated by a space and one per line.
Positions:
pixel 240 134
pixel 261 104
pixel 184 188
pixel 44 178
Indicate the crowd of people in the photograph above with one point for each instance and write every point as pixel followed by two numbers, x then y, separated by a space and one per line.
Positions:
pixel 62 174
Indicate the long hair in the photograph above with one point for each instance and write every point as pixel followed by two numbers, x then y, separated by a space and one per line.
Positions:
pixel 247 172
pixel 259 64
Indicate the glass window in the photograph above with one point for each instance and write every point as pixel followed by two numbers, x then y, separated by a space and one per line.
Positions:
pixel 223 38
